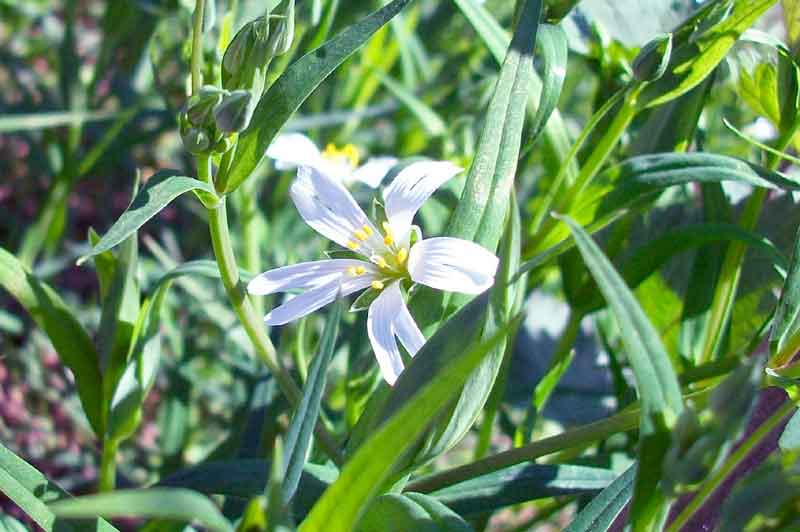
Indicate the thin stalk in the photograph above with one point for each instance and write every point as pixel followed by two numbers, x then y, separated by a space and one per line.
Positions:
pixel 108 467
pixel 570 438
pixel 248 316
pixel 197 46
pixel 730 465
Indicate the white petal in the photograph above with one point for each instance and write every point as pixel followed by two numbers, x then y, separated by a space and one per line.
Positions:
pixel 373 171
pixel 380 328
pixel 452 264
pixel 304 275
pixel 293 149
pixel 329 208
pixel 316 298
pixel 404 325
pixel 410 189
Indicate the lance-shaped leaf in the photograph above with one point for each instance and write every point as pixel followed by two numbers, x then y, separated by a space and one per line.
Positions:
pixel 31 490
pixel 520 483
pixel 374 462
pixel 786 324
pixel 286 95
pixel 301 429
pixel 157 193
pixel 602 511
pixel 176 504
pixel 69 338
pixel 396 512
pixel 700 44
pixel 656 381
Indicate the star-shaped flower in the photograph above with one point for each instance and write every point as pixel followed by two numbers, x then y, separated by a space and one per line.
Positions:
pixel 341 164
pixel 390 256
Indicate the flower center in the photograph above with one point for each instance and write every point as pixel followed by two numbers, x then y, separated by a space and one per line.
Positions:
pixel 347 154
pixel 391 260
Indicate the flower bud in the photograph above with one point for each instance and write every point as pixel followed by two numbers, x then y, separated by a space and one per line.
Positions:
pixel 247 57
pixel 283 33
pixel 653 59
pixel 234 112
pixel 731 399
pixel 200 106
pixel 196 140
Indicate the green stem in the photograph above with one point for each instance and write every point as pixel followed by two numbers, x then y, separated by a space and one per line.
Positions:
pixel 108 467
pixel 730 465
pixel 571 438
pixel 243 307
pixel 197 46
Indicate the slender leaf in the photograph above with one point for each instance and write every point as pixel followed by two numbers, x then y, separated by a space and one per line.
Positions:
pixel 656 381
pixel 69 338
pixel 602 511
pixel 178 504
pixel 552 47
pixel 301 429
pixel 432 122
pixel 786 323
pixel 156 194
pixel 790 438
pixel 395 512
pixel 372 465
pixel 294 86
pixel 520 483
pixel 27 122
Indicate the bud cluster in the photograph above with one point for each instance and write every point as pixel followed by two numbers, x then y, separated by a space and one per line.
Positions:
pixel 212 117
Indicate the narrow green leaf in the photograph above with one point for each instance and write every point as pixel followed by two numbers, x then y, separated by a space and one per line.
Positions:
pixel 521 483
pixel 372 465
pixel 301 429
pixel 699 49
pixel 790 438
pixel 30 490
pixel 396 512
pixel 786 323
pixel 156 194
pixel 656 381
pixel 286 95
pixel 178 504
pixel 602 511
pixel 69 338
pixel 28 122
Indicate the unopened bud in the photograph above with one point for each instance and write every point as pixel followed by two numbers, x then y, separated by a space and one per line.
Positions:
pixel 200 106
pixel 196 140
pixel 732 398
pixel 246 58
pixel 283 32
pixel 234 112
pixel 653 59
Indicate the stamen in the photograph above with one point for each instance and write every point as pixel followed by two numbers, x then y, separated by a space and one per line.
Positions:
pixel 361 234
pixel 367 229
pixel 352 270
pixel 389 238
pixel 380 261
pixel 360 270
pixel 401 256
pixel 377 285
pixel 352 245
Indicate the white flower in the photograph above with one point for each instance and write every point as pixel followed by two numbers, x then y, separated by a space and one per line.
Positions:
pixel 389 258
pixel 294 149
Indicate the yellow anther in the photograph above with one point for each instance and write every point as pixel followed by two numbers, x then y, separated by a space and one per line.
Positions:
pixel 348 154
pixel 377 285
pixel 352 245
pixel 360 234
pixel 401 256
pixel 367 229
pixel 352 270
pixel 360 270
pixel 381 262
pixel 389 238
pixel 351 152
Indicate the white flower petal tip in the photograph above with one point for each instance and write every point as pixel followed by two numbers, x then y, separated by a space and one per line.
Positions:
pixel 452 265
pixel 293 149
pixel 389 318
pixel 305 275
pixel 411 188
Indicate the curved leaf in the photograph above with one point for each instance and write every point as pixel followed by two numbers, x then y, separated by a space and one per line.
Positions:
pixel 69 338
pixel 520 483
pixel 395 512
pixel 178 504
pixel 156 194
pixel 286 95
pixel 602 511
